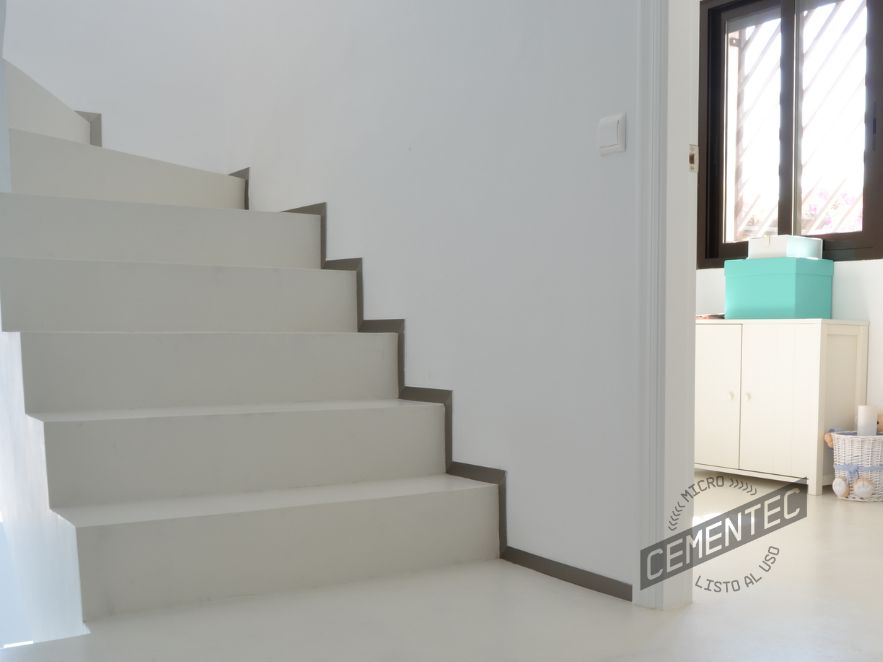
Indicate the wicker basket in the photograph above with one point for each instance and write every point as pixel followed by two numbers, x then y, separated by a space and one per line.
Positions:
pixel 859 457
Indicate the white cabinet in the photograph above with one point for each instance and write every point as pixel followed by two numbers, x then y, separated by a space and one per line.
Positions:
pixel 718 388
pixel 768 390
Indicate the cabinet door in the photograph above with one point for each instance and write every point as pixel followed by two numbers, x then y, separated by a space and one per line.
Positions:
pixel 718 366
pixel 780 391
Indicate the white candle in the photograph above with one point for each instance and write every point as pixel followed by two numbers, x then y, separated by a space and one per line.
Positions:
pixel 866 421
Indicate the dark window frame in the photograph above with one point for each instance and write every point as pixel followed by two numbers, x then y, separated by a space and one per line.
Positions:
pixel 712 250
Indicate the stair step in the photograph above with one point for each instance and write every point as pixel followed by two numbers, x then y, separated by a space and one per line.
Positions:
pixel 110 457
pixel 65 372
pixel 66 295
pixel 66 228
pixel 160 553
pixel 43 165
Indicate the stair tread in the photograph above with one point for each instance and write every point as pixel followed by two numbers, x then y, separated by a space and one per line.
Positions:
pixel 198 333
pixel 160 208
pixel 227 410
pixel 170 266
pixel 194 334
pixel 225 504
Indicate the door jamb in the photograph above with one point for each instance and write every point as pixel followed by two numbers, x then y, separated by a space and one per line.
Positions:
pixel 667 313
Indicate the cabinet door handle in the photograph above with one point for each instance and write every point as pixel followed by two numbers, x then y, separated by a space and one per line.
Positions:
pixel 731 395
pixel 747 397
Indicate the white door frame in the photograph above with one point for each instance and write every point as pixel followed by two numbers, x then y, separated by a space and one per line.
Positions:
pixel 667 249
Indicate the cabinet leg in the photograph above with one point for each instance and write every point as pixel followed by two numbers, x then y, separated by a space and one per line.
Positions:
pixel 814 485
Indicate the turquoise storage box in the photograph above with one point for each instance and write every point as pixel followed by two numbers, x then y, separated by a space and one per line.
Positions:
pixel 778 288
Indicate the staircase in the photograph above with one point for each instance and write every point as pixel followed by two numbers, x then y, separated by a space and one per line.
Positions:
pixel 188 410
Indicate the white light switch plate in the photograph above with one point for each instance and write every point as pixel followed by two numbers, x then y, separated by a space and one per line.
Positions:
pixel 611 134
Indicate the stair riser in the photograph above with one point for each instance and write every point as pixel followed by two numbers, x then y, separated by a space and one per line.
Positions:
pixel 93 371
pixel 109 461
pixel 52 295
pixel 161 563
pixel 49 166
pixel 60 228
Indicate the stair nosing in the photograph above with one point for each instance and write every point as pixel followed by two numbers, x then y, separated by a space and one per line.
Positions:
pixel 279 215
pixel 204 333
pixel 226 410
pixel 181 265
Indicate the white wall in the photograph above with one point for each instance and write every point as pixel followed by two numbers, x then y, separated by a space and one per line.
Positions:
pixel 13 626
pixel 455 143
pixel 155 70
pixel 709 289
pixel 42 545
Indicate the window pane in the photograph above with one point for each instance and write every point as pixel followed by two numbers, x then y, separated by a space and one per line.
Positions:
pixel 752 118
pixel 831 116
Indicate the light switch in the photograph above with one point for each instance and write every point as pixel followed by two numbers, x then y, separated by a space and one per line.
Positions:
pixel 611 134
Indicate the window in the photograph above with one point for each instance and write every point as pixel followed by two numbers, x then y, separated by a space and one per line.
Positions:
pixel 787 128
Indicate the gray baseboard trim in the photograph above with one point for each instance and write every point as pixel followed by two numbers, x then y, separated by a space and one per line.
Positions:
pixel 243 174
pixel 94 120
pixel 445 397
pixel 569 573
pixel 485 475
pixel 355 264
